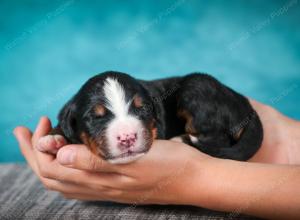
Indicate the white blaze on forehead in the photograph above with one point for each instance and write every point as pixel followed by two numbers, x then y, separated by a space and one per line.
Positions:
pixel 115 97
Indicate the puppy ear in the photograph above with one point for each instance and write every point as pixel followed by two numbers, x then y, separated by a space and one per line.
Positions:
pixel 67 121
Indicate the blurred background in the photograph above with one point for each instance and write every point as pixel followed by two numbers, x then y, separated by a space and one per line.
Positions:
pixel 48 49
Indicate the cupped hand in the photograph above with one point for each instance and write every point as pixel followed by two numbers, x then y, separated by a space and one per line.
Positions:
pixel 156 178
pixel 167 174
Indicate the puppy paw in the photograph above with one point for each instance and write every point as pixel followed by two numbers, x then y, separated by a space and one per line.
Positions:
pixel 51 143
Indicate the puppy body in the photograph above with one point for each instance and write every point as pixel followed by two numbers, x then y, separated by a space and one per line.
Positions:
pixel 118 116
pixel 219 121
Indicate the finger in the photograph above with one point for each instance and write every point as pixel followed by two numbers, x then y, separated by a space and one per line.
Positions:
pixel 116 196
pixel 83 197
pixel 80 157
pixel 66 187
pixel 45 162
pixel 49 168
pixel 42 129
pixel 109 195
pixel 23 136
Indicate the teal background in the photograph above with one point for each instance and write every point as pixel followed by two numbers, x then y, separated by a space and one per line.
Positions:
pixel 48 49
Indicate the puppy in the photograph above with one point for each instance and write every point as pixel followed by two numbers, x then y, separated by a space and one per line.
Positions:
pixel 118 117
pixel 218 120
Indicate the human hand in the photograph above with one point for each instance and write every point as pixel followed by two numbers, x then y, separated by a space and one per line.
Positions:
pixel 281 142
pixel 156 178
pixel 164 158
pixel 173 173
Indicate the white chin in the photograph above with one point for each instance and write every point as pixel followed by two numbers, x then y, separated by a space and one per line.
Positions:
pixel 127 159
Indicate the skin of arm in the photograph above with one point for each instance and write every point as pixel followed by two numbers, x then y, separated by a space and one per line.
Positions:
pixel 174 173
pixel 263 190
pixel 281 142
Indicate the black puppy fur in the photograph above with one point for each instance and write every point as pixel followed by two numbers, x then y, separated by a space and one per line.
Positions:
pixel 205 113
pixel 222 120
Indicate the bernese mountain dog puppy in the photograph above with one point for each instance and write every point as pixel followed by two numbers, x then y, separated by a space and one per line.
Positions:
pixel 118 117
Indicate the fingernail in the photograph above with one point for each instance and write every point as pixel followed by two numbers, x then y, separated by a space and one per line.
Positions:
pixel 67 157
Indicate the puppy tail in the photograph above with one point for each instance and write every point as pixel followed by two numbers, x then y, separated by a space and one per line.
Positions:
pixel 249 141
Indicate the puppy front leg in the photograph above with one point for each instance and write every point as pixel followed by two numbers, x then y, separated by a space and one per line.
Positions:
pixel 52 142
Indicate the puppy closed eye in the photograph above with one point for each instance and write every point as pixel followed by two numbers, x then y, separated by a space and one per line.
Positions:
pixel 100 110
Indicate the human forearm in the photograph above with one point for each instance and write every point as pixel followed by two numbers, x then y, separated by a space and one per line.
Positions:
pixel 269 191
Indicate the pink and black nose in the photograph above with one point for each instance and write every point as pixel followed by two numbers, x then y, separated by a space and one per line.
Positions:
pixel 127 139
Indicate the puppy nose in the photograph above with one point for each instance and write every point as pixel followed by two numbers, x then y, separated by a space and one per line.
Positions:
pixel 127 140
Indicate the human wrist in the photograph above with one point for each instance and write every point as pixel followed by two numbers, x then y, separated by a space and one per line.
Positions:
pixel 194 187
pixel 291 139
pixel 207 188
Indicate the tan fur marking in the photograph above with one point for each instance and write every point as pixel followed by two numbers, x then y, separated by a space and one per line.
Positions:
pixel 238 134
pixel 153 129
pixel 154 133
pixel 189 128
pixel 88 141
pixel 100 110
pixel 137 101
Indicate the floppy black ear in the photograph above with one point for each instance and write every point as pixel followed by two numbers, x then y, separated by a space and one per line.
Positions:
pixel 67 121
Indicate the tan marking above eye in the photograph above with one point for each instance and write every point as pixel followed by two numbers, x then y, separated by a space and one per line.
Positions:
pixel 100 110
pixel 137 101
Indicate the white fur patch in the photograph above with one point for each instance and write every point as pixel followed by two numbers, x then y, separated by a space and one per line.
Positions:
pixel 115 97
pixel 128 159
pixel 193 139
